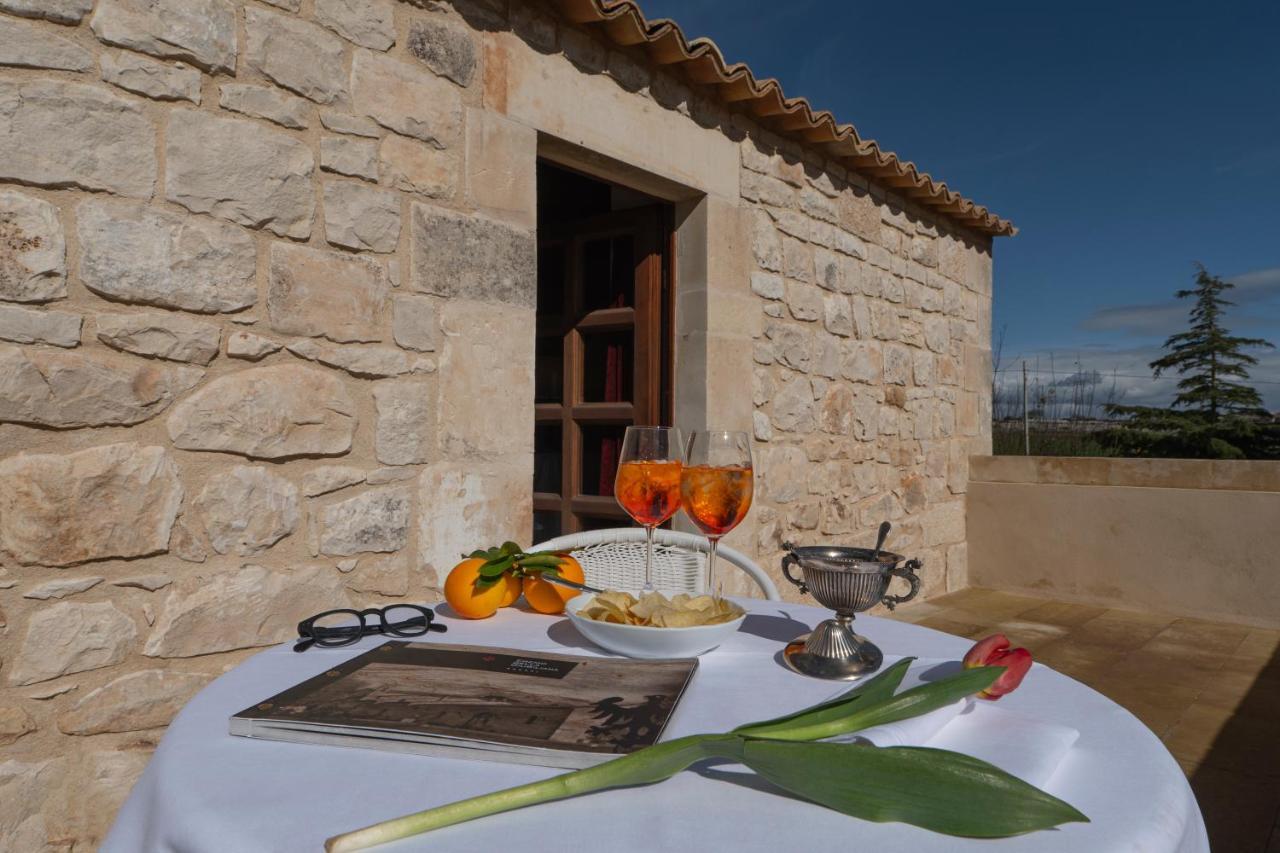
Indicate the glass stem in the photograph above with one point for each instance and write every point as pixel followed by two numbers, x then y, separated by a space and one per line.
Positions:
pixel 712 581
pixel 648 558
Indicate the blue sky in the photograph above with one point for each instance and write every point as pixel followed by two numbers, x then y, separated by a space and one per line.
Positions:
pixel 1124 143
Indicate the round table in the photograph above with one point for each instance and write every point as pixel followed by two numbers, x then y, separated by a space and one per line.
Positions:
pixel 206 790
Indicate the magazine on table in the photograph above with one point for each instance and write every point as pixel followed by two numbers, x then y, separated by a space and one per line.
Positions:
pixel 480 703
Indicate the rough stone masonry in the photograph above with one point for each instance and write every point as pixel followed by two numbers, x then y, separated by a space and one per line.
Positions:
pixel 265 268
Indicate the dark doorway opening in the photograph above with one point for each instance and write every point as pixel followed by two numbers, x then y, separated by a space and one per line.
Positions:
pixel 604 345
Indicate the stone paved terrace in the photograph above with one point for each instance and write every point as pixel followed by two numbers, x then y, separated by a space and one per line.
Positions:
pixel 1210 690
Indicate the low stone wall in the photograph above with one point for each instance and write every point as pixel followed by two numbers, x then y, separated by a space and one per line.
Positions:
pixel 1192 537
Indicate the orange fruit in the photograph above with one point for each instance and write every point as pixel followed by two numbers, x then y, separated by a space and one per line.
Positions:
pixel 471 603
pixel 546 597
pixel 511 591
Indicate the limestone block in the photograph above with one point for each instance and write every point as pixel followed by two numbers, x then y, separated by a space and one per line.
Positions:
pixel 782 473
pixel 33 252
pixel 413 322
pixel 240 171
pixel 249 346
pixel 406 164
pixel 766 244
pixel 804 301
pixel 767 189
pixel 885 322
pixel 355 157
pixel 445 47
pixel 272 412
pixel 61 588
pixel 922 368
pixel 150 583
pixel 299 55
pixel 937 333
pixel 170 336
pixel 837 316
pixel 943 524
pixel 386 576
pixel 845 412
pixel 68 134
pixel 374 520
pixel 768 285
pixel 761 386
pixel 469 257
pixel 67 637
pixel 897 364
pixel 792 345
pixel 797 260
pixel 265 102
pixel 500 179
pixel 352 125
pixel 793 405
pixel 486 355
pixel 793 223
pixel 405 99
pixel 116 500
pixel 200 31
pixel 144 76
pixel 135 702
pixel 27 789
pixel 318 293
pixel 368 23
pixel 58 11
pixel 828 271
pixel 247 509
pixel 330 478
pixel 368 361
pixel 203 615
pixel 461 504
pixel 361 218
pixel 24 45
pixel 69 390
pixel 762 428
pixel 28 326
pixel 15 723
pixel 405 433
pixel 131 252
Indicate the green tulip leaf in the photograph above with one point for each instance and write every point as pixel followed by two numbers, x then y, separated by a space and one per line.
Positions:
pixel 934 789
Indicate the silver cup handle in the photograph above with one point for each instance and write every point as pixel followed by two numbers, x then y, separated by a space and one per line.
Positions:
pixel 908 573
pixel 789 559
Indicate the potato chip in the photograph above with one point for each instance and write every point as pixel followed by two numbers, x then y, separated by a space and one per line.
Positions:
pixel 655 610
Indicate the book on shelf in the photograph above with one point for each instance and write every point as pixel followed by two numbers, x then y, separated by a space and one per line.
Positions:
pixel 481 703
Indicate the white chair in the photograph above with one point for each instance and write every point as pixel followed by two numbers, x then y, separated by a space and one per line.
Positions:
pixel 614 559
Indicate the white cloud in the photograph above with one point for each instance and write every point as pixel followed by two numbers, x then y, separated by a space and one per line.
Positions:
pixel 1253 292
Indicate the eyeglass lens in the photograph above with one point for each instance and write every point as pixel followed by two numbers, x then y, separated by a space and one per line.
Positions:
pixel 406 621
pixel 337 627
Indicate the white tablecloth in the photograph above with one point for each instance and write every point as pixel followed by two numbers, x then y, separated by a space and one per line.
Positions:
pixel 205 790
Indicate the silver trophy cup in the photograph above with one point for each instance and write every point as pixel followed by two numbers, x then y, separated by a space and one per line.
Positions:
pixel 847 580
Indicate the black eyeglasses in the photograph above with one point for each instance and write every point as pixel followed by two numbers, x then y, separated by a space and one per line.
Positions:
pixel 344 627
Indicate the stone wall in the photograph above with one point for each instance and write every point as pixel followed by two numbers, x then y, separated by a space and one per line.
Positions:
pixel 1194 537
pixel 254 360
pixel 871 383
pixel 266 337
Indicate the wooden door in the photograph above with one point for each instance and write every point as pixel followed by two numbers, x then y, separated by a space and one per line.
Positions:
pixel 603 359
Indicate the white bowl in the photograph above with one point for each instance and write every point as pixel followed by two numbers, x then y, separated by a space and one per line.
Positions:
pixel 643 641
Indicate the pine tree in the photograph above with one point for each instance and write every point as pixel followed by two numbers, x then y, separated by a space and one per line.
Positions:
pixel 1209 357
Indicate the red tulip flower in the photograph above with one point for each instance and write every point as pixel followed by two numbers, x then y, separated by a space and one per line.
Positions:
pixel 995 651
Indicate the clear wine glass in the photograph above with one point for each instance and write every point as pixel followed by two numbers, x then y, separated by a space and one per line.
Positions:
pixel 648 482
pixel 716 488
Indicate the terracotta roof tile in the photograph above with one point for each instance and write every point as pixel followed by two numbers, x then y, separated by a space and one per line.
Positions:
pixel 700 59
